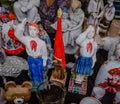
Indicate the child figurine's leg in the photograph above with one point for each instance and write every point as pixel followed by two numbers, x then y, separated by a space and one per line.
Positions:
pixel 36 70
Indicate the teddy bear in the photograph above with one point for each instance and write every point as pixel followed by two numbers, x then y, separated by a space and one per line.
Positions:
pixel 18 94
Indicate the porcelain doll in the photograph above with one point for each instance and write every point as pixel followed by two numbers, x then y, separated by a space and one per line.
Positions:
pixel 45 37
pixel 113 38
pixel 87 58
pixel 106 16
pixel 108 77
pixel 7 20
pixel 72 21
pixel 94 8
pixel 76 15
pixel 27 9
pixel 35 48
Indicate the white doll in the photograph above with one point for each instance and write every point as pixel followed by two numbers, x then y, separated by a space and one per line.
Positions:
pixel 94 8
pixel 106 16
pixel 27 9
pixel 35 48
pixel 87 58
pixel 76 15
pixel 72 21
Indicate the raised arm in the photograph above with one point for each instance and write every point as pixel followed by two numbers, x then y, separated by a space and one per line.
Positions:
pixel 83 35
pixel 81 38
pixel 20 30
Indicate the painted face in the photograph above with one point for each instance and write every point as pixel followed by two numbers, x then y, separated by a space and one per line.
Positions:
pixel 91 32
pixel 64 15
pixel 33 31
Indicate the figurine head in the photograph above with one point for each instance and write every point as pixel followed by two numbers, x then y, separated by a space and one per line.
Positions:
pixel 18 94
pixel 42 31
pixel 90 31
pixel 65 13
pixel 110 1
pixel 33 29
pixel 75 4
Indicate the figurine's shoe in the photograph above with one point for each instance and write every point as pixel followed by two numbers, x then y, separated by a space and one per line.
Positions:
pixel 70 65
pixel 79 78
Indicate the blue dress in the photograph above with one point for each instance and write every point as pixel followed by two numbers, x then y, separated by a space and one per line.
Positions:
pixel 83 65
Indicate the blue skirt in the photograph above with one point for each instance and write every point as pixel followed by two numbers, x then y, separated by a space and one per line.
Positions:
pixel 36 69
pixel 83 65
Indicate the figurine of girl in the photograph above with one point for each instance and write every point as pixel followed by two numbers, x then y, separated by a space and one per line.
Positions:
pixel 87 58
pixel 35 48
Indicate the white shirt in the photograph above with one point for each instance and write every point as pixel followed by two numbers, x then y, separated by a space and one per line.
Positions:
pixel 40 51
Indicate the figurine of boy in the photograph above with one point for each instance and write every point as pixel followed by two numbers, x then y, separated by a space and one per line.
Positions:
pixel 106 16
pixel 35 48
pixel 87 58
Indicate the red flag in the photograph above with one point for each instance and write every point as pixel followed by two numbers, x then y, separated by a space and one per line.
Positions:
pixel 59 45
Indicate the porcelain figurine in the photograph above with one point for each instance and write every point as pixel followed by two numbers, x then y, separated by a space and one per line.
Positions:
pixel 10 65
pixel 45 37
pixel 113 38
pixel 106 16
pixel 27 9
pixel 108 77
pixel 18 94
pixel 86 60
pixel 35 48
pixel 59 72
pixel 8 41
pixel 77 15
pixel 72 21
pixel 94 8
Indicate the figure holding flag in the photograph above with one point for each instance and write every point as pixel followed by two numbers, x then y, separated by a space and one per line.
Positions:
pixel 59 72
